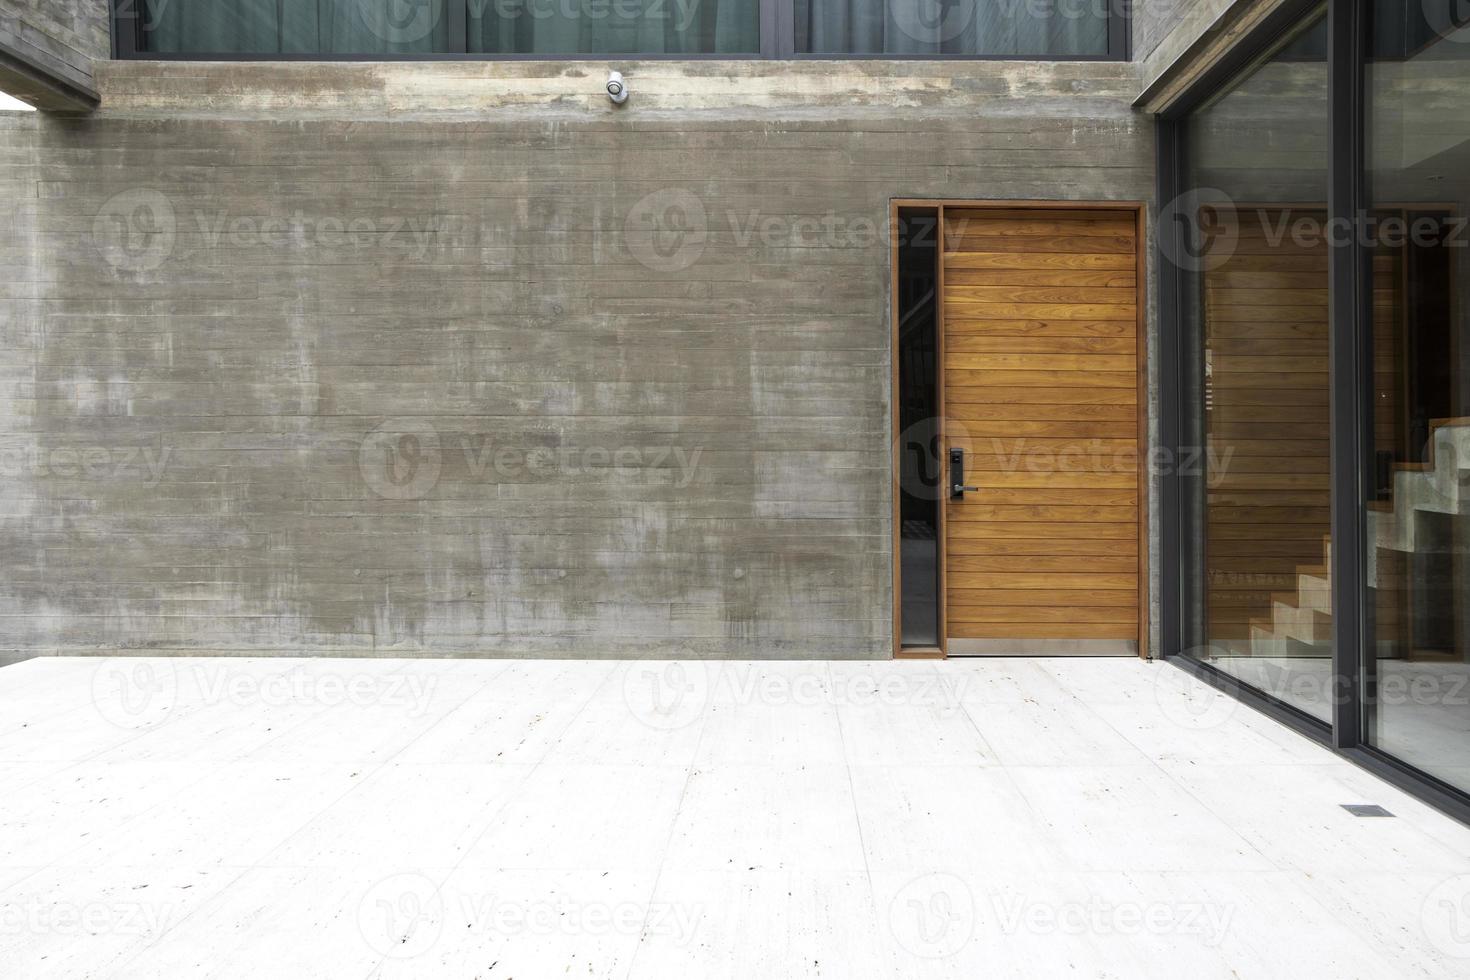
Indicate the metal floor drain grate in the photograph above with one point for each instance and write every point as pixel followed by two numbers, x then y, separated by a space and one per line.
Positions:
pixel 1366 810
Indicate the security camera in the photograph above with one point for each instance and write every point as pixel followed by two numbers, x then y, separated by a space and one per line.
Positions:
pixel 617 89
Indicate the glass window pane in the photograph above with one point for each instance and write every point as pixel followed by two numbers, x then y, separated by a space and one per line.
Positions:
pixel 1040 29
pixel 568 27
pixel 1256 340
pixel 295 26
pixel 1418 511
pixel 919 456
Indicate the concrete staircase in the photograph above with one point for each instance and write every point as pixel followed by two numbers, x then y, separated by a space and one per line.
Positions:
pixel 1300 624
pixel 1441 485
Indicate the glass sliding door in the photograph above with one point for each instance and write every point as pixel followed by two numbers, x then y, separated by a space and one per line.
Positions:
pixel 1317 346
pixel 1255 438
pixel 1417 515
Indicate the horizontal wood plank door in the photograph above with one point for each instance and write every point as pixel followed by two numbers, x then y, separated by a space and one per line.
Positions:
pixel 1041 369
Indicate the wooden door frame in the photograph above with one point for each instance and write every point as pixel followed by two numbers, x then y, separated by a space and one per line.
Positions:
pixel 1139 211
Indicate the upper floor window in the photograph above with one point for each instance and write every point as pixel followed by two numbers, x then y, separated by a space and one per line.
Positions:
pixel 572 27
pixel 289 27
pixel 637 28
pixel 958 28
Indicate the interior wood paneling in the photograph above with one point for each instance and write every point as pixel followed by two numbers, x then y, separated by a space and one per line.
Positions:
pixel 1266 388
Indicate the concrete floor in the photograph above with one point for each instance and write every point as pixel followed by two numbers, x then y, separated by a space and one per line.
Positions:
pixel 988 818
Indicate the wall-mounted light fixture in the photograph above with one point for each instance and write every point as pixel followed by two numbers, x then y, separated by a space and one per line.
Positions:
pixel 617 89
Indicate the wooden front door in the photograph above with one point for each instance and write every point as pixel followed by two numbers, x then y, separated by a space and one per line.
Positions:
pixel 1041 369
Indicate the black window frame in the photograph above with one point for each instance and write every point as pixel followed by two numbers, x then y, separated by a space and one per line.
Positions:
pixel 777 43
pixel 1350 387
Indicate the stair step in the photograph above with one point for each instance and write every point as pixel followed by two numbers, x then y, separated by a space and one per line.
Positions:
pixel 1264 643
pixel 1303 619
pixel 1293 622
pixel 1300 650
pixel 1317 600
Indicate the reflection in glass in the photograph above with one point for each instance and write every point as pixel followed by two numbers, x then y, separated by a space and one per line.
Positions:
pixel 296 27
pixel 1418 507
pixel 1260 506
pixel 568 27
pixel 409 27
pixel 953 27
pixel 917 446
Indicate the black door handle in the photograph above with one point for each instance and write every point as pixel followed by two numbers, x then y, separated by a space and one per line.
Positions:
pixel 957 486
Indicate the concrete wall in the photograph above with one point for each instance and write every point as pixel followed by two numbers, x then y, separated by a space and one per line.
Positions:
pixel 311 358
pixel 48 51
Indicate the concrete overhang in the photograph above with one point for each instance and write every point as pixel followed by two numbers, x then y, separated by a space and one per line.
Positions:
pixel 35 85
pixel 1204 36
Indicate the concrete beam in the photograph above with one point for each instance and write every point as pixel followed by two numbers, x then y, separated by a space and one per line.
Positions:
pixel 1202 33
pixel 33 85
pixel 48 49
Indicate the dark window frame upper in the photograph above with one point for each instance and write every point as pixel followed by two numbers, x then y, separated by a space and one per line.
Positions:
pixel 777 43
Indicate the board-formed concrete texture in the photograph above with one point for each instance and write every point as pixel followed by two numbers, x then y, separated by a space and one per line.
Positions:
pixel 460 358
pixel 49 50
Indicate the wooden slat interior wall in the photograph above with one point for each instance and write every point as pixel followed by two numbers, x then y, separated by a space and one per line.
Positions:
pixel 1040 388
pixel 1390 427
pixel 1266 419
